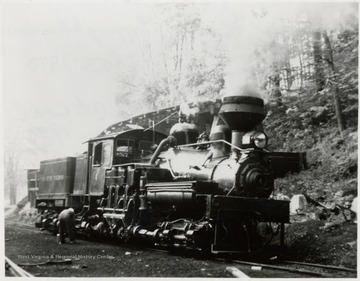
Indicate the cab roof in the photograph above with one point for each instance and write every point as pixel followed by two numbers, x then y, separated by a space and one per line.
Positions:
pixel 116 134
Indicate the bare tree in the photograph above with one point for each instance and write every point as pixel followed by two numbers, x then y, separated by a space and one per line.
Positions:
pixel 334 82
pixel 11 177
pixel 318 61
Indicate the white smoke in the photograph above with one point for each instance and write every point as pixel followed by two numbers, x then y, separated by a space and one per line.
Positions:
pixel 241 89
pixel 249 31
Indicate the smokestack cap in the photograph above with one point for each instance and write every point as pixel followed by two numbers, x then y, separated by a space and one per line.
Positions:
pixel 242 113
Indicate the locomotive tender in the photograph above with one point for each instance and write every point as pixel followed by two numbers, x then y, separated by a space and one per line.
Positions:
pixel 182 190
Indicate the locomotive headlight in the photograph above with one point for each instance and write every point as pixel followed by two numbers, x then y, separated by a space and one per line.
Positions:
pixel 254 139
pixel 260 140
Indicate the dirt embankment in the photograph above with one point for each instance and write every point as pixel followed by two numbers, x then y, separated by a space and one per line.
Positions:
pixel 316 241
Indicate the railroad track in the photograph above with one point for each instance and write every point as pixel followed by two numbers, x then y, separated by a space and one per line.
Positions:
pixel 258 269
pixel 298 268
pixel 21 226
pixel 328 267
pixel 291 268
pixel 12 269
pixel 324 270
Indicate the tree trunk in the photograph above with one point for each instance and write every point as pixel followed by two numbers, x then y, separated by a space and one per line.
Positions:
pixel 318 62
pixel 301 72
pixel 11 174
pixel 12 194
pixel 276 92
pixel 301 65
pixel 289 78
pixel 308 66
pixel 334 84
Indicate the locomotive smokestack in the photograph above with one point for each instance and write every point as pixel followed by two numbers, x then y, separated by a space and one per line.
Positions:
pixel 242 113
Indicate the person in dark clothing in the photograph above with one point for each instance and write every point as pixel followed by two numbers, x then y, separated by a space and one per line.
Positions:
pixel 67 225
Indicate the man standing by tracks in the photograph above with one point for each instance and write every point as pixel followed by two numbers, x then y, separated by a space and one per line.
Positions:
pixel 67 225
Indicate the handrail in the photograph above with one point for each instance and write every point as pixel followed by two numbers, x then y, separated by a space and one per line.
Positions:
pixel 211 142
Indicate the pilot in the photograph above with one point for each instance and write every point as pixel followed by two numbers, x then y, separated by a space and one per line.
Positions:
pixel 67 225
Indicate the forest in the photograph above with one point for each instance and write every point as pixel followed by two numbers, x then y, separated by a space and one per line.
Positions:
pixel 301 57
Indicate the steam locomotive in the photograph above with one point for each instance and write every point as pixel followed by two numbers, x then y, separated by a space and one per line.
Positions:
pixel 208 193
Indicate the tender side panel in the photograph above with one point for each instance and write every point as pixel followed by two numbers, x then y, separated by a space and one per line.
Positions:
pixel 56 177
pixel 33 183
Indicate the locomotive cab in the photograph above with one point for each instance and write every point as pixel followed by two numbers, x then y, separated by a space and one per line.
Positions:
pixel 106 152
pixel 129 146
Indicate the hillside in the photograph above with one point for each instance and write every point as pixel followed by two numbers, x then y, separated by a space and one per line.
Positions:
pixel 325 231
pixel 308 124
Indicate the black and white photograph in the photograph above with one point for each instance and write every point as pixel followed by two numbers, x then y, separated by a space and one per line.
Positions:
pixel 179 139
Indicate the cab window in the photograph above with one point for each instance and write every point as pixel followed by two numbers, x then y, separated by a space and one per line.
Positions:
pixel 124 148
pixel 106 156
pixel 98 153
pixel 102 154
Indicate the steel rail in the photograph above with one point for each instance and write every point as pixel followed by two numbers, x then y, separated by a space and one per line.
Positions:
pixel 21 227
pixel 269 266
pixel 16 270
pixel 282 268
pixel 340 268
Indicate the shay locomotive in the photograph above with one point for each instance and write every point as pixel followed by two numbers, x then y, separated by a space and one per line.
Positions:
pixel 182 190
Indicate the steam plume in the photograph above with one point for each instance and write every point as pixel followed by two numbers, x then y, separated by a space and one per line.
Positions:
pixel 249 31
